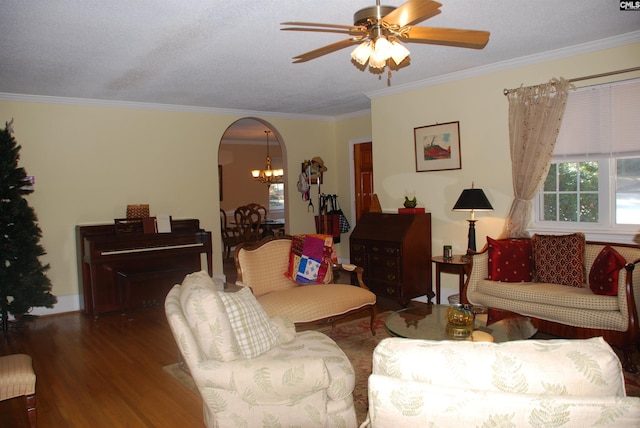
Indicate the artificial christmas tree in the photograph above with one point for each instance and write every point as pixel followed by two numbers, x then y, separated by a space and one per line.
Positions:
pixel 23 283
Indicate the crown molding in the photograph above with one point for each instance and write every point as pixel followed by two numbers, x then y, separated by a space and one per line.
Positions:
pixel 597 45
pixel 163 107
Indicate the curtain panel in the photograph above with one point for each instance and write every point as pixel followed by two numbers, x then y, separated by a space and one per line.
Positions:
pixel 535 115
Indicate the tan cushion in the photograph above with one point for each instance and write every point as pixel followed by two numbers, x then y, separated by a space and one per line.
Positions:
pixel 313 302
pixel 17 377
pixel 207 317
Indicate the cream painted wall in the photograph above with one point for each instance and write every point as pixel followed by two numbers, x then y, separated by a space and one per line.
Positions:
pixel 481 108
pixel 91 161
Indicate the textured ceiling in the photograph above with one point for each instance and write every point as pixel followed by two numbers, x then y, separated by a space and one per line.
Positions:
pixel 232 54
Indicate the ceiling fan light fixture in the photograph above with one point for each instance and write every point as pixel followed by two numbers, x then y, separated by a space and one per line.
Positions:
pixel 362 53
pixel 398 52
pixel 382 48
pixel 268 175
pixel 376 62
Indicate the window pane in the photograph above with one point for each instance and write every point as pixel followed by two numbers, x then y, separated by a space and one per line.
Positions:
pixel 276 196
pixel 568 176
pixel 628 191
pixel 568 207
pixel 550 182
pixel 550 208
pixel 588 208
pixel 589 176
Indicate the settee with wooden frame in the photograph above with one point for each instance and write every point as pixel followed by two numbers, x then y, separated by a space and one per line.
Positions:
pixel 262 266
pixel 565 311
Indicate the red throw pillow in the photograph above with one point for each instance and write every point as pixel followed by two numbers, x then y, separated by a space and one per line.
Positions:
pixel 510 260
pixel 559 259
pixel 603 276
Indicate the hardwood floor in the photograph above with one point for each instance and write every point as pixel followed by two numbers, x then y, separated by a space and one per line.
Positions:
pixel 102 373
pixel 105 372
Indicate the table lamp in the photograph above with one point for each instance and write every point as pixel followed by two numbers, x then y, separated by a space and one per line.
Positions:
pixel 472 200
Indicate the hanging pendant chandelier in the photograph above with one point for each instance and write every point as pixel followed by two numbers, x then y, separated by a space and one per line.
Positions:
pixel 268 175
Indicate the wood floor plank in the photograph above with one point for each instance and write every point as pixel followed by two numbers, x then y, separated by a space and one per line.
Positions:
pixel 102 373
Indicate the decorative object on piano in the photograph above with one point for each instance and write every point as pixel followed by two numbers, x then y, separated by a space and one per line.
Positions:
pixel 437 147
pixel 472 200
pixel 138 211
pixel 268 175
pixel 163 223
pixel 23 275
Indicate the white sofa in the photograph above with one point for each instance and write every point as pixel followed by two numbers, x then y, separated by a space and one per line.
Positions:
pixel 528 383
pixel 566 311
pixel 254 371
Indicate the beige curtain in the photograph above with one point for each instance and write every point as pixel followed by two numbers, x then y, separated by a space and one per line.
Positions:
pixel 535 114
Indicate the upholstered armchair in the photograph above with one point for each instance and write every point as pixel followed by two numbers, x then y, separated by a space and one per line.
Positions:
pixel 255 371
pixel 280 272
pixel 527 383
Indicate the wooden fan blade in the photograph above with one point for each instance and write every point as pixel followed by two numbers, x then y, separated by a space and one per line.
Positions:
pixel 324 50
pixel 317 24
pixel 413 12
pixel 352 31
pixel 448 37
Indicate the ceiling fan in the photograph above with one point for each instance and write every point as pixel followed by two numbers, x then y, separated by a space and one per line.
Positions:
pixel 378 31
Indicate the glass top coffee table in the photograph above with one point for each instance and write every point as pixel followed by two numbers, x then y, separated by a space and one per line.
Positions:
pixel 430 322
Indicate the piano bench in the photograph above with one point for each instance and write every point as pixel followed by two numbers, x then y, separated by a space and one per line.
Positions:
pixel 165 278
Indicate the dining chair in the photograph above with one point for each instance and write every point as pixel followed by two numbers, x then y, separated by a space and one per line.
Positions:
pixel 248 222
pixel 263 212
pixel 230 235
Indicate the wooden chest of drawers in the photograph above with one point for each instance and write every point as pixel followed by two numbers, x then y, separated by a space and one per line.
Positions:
pixel 395 252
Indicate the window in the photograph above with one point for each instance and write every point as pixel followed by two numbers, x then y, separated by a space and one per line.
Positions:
pixel 276 197
pixel 594 178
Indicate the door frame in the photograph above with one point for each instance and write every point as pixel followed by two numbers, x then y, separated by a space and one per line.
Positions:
pixel 352 187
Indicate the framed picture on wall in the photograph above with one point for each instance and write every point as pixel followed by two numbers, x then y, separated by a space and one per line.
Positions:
pixel 437 147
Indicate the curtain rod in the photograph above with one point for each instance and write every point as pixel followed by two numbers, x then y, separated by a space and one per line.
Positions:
pixel 577 79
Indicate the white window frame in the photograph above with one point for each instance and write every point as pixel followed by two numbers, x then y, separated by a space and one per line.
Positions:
pixel 606 228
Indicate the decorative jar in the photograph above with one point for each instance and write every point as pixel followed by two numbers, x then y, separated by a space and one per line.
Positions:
pixel 459 314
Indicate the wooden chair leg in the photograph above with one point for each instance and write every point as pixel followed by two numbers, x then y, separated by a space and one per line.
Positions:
pixel 31 409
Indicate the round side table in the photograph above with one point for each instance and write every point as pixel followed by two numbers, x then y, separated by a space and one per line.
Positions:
pixel 458 265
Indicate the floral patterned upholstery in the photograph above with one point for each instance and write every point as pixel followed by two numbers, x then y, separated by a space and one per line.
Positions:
pixel 528 383
pixel 304 379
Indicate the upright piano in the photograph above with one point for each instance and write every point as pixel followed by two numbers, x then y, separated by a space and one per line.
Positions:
pixel 125 268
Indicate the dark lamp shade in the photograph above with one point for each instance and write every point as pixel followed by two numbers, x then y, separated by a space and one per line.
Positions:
pixel 472 199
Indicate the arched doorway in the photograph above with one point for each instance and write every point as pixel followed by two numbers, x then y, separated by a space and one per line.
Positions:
pixel 243 147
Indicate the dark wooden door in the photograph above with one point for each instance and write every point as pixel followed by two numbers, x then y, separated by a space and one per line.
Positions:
pixel 363 172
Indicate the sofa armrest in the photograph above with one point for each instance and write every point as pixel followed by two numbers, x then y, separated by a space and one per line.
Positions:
pixel 584 367
pixel 347 267
pixel 266 381
pixel 396 402
pixel 479 270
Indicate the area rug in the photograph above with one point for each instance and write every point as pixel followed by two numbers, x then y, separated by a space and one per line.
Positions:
pixel 357 342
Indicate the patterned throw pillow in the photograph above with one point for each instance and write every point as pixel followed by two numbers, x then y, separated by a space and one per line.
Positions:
pixel 510 260
pixel 603 276
pixel 251 325
pixel 559 259
pixel 311 258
